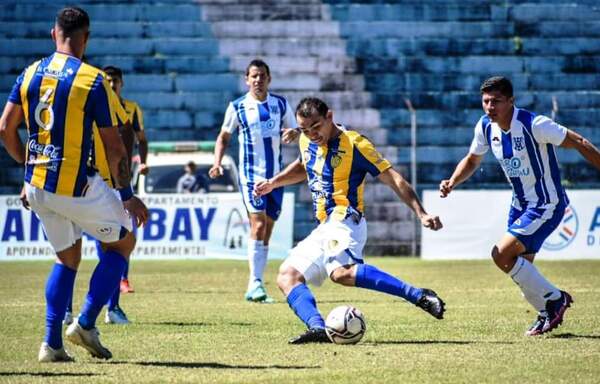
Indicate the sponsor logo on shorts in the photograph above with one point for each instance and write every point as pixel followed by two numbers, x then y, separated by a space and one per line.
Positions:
pixel 104 230
pixel 565 233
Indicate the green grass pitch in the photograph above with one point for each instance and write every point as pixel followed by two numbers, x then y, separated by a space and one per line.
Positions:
pixel 190 324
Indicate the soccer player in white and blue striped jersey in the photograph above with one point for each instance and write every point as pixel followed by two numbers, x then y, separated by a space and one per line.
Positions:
pixel 264 120
pixel 525 145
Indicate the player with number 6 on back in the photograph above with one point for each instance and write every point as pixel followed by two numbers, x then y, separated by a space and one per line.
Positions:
pixel 60 98
pixel 335 162
pixel 525 146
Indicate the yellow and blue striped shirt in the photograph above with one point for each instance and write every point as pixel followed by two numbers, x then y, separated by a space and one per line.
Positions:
pixel 99 161
pixel 336 172
pixel 62 98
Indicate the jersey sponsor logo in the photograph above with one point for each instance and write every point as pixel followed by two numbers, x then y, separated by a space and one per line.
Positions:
pixel 57 74
pixel 513 167
pixel 518 143
pixel 565 233
pixel 50 153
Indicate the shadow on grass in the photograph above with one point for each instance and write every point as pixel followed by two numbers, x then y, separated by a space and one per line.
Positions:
pixel 195 324
pixel 50 374
pixel 574 336
pixel 182 364
pixel 423 342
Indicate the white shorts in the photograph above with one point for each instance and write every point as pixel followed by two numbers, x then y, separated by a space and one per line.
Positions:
pixel 316 257
pixel 100 213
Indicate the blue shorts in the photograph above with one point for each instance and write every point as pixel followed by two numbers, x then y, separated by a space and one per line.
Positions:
pixel 271 203
pixel 533 225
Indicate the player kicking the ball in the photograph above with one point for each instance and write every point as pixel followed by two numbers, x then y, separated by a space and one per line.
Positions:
pixel 335 161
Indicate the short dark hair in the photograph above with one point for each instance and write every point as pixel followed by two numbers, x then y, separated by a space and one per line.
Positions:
pixel 72 19
pixel 497 83
pixel 113 71
pixel 259 64
pixel 311 105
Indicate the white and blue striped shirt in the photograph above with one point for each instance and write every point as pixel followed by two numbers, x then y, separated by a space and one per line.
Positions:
pixel 527 155
pixel 260 126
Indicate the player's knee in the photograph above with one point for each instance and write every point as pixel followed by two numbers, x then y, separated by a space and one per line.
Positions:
pixel 501 259
pixel 287 278
pixel 342 276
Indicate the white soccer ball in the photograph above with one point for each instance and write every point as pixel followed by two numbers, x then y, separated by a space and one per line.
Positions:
pixel 345 325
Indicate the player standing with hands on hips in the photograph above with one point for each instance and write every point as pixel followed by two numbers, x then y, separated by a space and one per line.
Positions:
pixel 335 161
pixel 264 121
pixel 525 145
pixel 59 97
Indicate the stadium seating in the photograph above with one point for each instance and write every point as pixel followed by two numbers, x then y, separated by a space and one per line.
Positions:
pixel 183 62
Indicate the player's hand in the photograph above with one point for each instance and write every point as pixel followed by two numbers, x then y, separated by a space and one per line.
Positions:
pixel 137 209
pixel 289 135
pixel 432 222
pixel 143 169
pixel 23 198
pixel 215 171
pixel 446 187
pixel 263 187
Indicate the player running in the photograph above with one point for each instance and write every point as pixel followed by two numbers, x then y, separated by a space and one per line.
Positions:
pixel 335 161
pixel 525 145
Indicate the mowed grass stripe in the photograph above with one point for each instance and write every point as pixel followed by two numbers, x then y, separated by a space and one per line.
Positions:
pixel 191 324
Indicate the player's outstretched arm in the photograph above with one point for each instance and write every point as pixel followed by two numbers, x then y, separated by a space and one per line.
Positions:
pixel 407 194
pixel 292 174
pixel 220 146
pixel 12 116
pixel 583 146
pixel 463 171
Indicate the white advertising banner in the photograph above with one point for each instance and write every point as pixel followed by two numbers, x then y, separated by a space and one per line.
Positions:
pixel 475 220
pixel 180 226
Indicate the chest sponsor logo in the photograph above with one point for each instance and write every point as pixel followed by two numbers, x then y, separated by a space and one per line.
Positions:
pixel 514 167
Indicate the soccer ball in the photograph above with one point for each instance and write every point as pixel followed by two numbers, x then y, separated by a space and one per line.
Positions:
pixel 345 325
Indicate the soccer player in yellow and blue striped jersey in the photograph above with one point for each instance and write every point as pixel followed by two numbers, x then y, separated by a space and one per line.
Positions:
pixel 60 98
pixel 335 161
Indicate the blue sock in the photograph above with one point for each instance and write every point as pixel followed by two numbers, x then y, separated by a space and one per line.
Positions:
pixel 370 277
pixel 302 301
pixel 104 280
pixel 114 299
pixel 59 289
pixel 113 302
pixel 126 272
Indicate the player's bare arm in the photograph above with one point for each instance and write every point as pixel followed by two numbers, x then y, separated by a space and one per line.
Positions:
pixel 289 135
pixel 465 168
pixel 143 149
pixel 292 174
pixel 119 168
pixel 12 116
pixel 221 145
pixel 407 194
pixel 583 146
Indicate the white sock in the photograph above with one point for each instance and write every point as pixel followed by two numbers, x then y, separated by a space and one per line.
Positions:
pixel 538 302
pixel 536 289
pixel 255 260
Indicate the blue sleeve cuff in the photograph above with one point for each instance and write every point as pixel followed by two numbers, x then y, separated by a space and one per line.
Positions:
pixel 126 193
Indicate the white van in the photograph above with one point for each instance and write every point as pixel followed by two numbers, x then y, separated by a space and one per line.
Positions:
pixel 167 161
